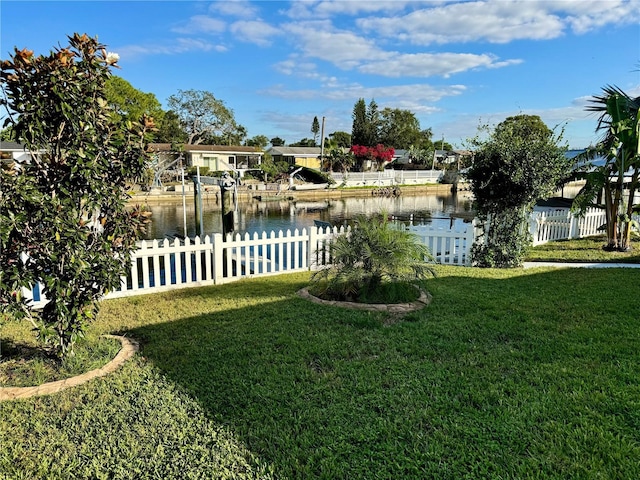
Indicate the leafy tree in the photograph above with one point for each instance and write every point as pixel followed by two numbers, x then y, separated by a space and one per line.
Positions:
pixel 620 147
pixel 169 130
pixel 315 128
pixel 273 169
pixel 374 252
pixel 130 102
pixel 342 139
pixel 518 164
pixel 7 134
pixel 420 156
pixel 63 216
pixel 426 142
pixel 377 155
pixel 232 134
pixel 337 158
pixel 305 142
pixel 277 142
pixel 442 145
pixel 399 128
pixel 202 115
pixel 260 141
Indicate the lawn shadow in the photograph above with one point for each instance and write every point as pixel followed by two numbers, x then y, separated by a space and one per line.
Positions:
pixel 322 392
pixel 25 352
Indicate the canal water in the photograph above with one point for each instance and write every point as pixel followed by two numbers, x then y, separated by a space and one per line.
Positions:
pixel 442 210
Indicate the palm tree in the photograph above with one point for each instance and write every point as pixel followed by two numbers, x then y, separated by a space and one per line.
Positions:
pixel 620 148
pixel 336 158
pixel 374 252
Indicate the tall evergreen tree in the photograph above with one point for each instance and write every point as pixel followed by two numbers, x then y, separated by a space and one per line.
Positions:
pixel 359 128
pixel 315 129
pixel 373 125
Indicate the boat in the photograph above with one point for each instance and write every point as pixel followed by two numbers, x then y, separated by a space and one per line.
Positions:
pixel 310 186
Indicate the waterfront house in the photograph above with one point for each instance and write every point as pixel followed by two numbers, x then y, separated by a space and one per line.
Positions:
pixel 301 156
pixel 216 158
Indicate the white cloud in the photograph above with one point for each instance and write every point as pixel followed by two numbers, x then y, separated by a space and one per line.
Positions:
pixel 329 8
pixel 305 70
pixel 177 46
pixel 235 8
pixel 427 65
pixel 492 21
pixel 589 15
pixel 255 31
pixel 348 51
pixel 579 125
pixel 343 48
pixel 416 94
pixel 201 24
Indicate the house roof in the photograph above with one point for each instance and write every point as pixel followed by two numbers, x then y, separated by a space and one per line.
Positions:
pixel 11 146
pixel 295 151
pixel 167 147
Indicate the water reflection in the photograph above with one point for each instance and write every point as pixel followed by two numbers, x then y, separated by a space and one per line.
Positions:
pixel 440 209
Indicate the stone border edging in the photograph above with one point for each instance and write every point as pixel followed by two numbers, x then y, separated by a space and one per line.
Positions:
pixel 129 347
pixel 393 309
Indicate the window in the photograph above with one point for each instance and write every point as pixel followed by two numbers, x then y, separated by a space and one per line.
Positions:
pixel 211 162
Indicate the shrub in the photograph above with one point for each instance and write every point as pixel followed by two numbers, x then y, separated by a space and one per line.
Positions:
pixel 64 221
pixel 374 253
pixel 519 163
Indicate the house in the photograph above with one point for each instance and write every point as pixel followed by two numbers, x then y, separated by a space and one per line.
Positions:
pixel 449 157
pixel 13 151
pixel 301 156
pixel 216 158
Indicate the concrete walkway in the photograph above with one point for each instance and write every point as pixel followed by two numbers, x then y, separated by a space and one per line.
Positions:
pixel 580 265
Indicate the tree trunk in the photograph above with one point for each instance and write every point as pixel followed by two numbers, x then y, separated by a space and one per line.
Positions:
pixel 625 243
pixel 611 218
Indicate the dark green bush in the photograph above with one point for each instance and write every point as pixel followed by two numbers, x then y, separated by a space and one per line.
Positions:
pixel 372 260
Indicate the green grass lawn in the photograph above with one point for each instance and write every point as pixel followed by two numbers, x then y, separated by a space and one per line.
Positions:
pixel 583 250
pixel 506 374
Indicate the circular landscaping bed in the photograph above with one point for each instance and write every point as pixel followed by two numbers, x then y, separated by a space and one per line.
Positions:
pixel 394 309
pixel 129 347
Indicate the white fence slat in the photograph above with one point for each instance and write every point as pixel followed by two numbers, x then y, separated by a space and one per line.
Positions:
pixel 197 257
pixel 178 261
pixel 145 268
pixel 187 261
pixel 265 251
pixel 162 265
pixel 560 224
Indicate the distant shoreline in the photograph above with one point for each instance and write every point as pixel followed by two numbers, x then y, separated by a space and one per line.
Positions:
pixel 245 194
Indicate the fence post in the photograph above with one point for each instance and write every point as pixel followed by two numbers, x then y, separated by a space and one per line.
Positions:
pixel 471 239
pixel 533 227
pixel 217 246
pixel 572 227
pixel 311 239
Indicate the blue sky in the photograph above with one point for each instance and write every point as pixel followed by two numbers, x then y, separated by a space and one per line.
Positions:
pixel 278 64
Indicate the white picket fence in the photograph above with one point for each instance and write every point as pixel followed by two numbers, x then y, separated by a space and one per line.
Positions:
pixel 562 224
pixel 161 265
pixel 447 246
pixel 387 178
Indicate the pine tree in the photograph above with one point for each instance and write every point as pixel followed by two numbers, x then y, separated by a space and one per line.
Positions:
pixel 315 128
pixel 359 128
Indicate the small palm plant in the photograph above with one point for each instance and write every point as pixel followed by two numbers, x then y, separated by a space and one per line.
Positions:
pixel 371 261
